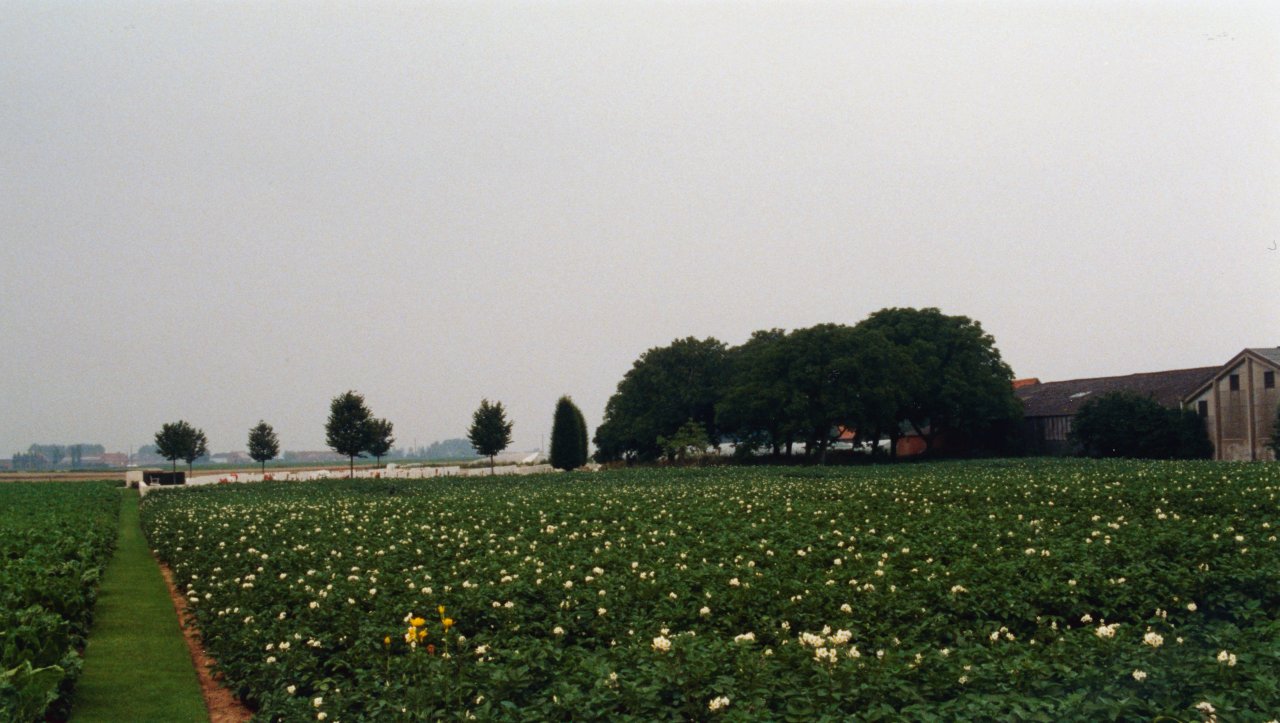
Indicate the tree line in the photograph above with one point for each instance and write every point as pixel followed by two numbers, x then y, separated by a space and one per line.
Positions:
pixel 352 431
pixel 50 456
pixel 899 371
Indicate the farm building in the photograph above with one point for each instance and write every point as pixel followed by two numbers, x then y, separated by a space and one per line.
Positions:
pixel 1048 407
pixel 1238 403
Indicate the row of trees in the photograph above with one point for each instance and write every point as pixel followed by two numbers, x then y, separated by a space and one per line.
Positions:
pixel 181 441
pixel 900 370
pixel 351 430
pixel 50 456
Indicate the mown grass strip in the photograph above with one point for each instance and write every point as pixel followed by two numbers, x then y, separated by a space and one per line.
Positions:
pixel 137 667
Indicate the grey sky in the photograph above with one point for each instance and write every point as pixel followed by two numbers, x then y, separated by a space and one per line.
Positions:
pixel 231 211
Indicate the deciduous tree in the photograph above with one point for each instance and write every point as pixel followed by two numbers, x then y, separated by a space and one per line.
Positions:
pixel 181 441
pixel 665 387
pixel 264 445
pixel 490 432
pixel 347 431
pixel 690 440
pixel 962 384
pixel 197 447
pixel 379 440
pixel 171 441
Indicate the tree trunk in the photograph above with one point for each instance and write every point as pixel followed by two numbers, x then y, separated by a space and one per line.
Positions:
pixel 351 472
pixel 491 472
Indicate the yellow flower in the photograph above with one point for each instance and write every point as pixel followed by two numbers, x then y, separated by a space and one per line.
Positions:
pixel 441 609
pixel 447 623
pixel 422 635
pixel 417 622
pixel 386 640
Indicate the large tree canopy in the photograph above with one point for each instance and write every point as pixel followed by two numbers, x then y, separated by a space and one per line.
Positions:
pixel 755 407
pixel 666 387
pixel 812 383
pixel 900 369
pixel 962 384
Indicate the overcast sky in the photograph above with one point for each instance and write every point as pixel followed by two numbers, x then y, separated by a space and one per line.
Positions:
pixel 233 211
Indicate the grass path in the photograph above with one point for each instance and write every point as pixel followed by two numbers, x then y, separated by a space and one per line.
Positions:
pixel 136 667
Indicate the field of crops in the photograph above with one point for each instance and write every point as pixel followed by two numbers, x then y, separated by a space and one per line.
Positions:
pixel 55 539
pixel 1041 590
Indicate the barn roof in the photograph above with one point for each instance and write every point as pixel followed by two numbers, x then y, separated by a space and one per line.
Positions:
pixel 1270 353
pixel 1054 399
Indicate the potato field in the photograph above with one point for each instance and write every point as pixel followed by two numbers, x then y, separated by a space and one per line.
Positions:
pixel 1007 590
pixel 55 540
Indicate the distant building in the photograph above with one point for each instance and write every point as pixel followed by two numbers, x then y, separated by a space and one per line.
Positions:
pixel 1238 404
pixel 312 457
pixel 1048 408
pixel 115 459
pixel 231 458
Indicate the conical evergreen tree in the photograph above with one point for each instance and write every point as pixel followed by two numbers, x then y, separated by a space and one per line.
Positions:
pixel 583 447
pixel 568 436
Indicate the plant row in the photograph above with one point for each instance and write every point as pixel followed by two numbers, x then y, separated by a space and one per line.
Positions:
pixel 55 540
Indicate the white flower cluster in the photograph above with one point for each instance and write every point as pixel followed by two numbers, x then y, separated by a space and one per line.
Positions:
pixel 1227 659
pixel 1106 631
pixel 718 703
pixel 661 644
pixel 1155 640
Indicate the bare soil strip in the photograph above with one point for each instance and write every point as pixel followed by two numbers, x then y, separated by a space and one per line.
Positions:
pixel 223 706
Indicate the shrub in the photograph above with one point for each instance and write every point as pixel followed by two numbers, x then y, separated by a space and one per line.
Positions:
pixel 1124 424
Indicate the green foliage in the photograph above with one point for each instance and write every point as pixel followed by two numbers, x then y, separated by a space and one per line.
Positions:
pixel 758 395
pixel 666 386
pixel 568 436
pixel 378 438
pixel 899 368
pixel 264 445
pixel 689 441
pixel 960 384
pixel 55 540
pixel 966 591
pixel 490 432
pixel 1125 424
pixel 347 430
pixel 181 441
